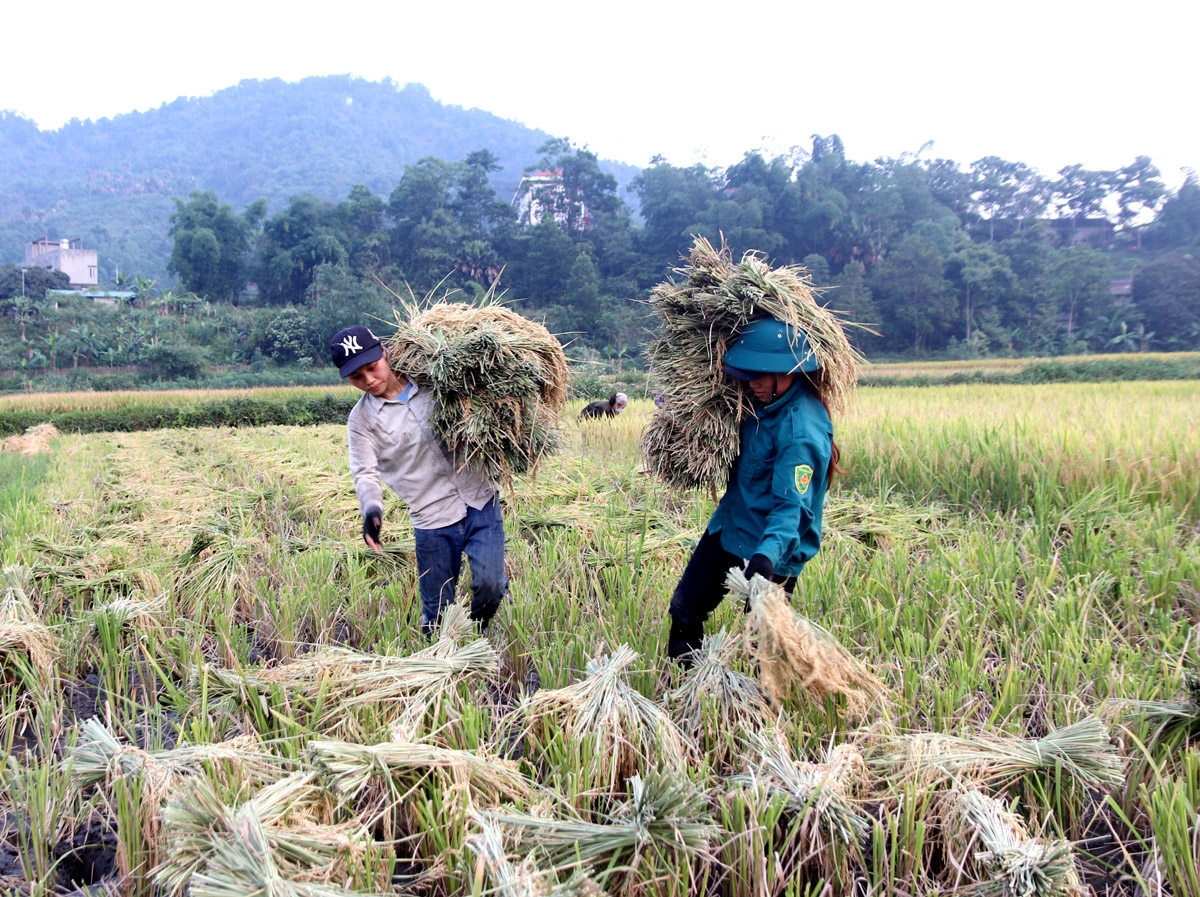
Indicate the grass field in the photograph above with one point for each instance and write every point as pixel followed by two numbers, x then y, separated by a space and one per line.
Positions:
pixel 1020 566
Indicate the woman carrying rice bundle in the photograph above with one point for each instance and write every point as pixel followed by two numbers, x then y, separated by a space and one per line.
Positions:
pixel 772 508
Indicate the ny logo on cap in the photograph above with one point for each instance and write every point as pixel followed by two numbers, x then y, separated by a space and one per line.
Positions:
pixel 350 345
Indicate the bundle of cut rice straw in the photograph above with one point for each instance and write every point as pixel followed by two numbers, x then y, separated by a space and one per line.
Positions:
pixel 715 704
pixel 665 824
pixel 498 382
pixel 989 843
pixel 630 730
pixel 830 828
pixel 797 657
pixel 524 880
pixel 1082 750
pixel 295 814
pixel 33 441
pixel 27 646
pixel 348 684
pixel 693 439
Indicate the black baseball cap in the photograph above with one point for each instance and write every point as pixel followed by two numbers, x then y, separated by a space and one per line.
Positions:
pixel 353 347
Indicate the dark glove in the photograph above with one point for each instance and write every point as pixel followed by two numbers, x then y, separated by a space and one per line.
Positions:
pixel 372 521
pixel 760 564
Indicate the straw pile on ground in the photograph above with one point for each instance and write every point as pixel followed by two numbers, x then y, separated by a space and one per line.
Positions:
pixel 33 441
pixel 988 842
pixel 715 705
pixel 630 731
pixel 498 382
pixel 795 656
pixel 693 438
pixel 1081 751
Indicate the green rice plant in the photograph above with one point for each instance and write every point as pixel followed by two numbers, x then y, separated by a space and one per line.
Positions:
pixel 988 843
pixel 900 850
pixel 659 841
pixel 1172 806
pixel 43 813
pixel 632 732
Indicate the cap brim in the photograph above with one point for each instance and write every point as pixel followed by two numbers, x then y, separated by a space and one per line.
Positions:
pixel 367 356
pixel 739 374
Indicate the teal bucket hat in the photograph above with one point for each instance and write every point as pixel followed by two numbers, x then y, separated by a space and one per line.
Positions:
pixel 768 346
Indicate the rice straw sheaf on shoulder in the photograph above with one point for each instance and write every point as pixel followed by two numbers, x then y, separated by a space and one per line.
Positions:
pixel 693 439
pixel 498 381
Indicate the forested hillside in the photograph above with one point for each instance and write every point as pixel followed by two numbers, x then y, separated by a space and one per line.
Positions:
pixel 938 258
pixel 111 181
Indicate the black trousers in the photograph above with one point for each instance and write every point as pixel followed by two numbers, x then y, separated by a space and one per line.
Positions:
pixel 702 586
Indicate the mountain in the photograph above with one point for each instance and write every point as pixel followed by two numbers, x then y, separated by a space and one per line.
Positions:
pixel 111 181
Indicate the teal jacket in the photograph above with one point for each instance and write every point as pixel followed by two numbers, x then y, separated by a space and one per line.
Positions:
pixel 776 492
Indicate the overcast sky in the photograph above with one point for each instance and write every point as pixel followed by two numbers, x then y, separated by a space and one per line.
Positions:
pixel 1048 83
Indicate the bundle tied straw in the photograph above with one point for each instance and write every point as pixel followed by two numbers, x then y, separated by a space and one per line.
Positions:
pixel 498 382
pixel 381 779
pixel 664 825
pixel 244 864
pixel 294 814
pixel 715 703
pixel 989 843
pixel 629 729
pixel 27 646
pixel 693 439
pixel 348 683
pixel 100 758
pixel 1082 750
pixel 830 829
pixel 795 656
pixel 487 847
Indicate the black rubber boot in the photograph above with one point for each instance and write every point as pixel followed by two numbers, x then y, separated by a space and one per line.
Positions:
pixel 683 639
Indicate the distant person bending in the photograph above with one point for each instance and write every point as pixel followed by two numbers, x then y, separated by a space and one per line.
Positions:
pixel 392 442
pixel 610 407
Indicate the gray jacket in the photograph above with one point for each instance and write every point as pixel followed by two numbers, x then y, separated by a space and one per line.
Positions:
pixel 391 441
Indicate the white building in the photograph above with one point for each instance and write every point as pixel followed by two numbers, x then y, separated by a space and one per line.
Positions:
pixel 542 191
pixel 68 256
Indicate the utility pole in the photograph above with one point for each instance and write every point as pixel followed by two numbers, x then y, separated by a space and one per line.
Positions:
pixel 23 270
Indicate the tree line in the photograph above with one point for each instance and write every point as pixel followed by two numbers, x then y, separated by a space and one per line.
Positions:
pixel 933 258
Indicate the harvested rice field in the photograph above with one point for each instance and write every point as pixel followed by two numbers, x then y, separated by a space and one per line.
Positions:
pixel 210 686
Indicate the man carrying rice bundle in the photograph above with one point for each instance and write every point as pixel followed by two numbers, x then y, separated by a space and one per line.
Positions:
pixel 772 508
pixel 454 511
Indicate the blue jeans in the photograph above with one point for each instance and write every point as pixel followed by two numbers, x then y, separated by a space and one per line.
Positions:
pixel 439 561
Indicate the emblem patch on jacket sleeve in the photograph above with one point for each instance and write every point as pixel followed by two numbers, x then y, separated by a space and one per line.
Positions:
pixel 803 478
